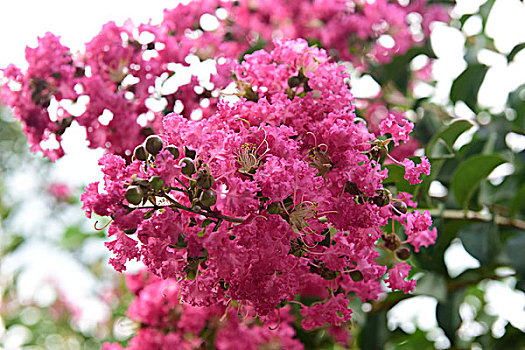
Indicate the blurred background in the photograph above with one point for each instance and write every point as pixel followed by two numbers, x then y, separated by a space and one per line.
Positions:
pixel 58 292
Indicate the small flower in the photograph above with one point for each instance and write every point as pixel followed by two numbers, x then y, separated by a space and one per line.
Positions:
pixel 413 172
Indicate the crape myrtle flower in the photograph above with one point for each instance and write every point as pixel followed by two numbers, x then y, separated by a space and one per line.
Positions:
pixel 278 190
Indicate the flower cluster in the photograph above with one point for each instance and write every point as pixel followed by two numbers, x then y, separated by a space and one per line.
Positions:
pixel 270 195
pixel 129 77
pixel 167 324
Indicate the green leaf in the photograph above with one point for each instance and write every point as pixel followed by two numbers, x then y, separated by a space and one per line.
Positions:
pixel 149 214
pixel 441 144
pixel 515 248
pixel 448 314
pixel 398 70
pixel 374 333
pixel 481 240
pixel 466 86
pixel 518 202
pixel 432 284
pixel 470 173
pixel 515 50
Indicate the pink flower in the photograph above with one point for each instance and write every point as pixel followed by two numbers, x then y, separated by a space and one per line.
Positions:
pixel 397 278
pixel 398 127
pixel 413 172
pixel 334 311
pixel 417 229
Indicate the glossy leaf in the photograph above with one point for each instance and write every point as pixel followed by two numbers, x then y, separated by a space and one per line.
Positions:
pixel 518 202
pixel 466 86
pixel 515 249
pixel 470 173
pixel 441 144
pixel 481 241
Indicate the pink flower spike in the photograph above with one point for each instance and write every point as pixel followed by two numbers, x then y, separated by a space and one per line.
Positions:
pixel 413 172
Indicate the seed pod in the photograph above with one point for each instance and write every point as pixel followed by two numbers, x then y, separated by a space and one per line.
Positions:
pixel 156 182
pixel 134 195
pixel 294 82
pixel 399 208
pixel 204 179
pixel 189 153
pixel 351 188
pixel 140 153
pixel 174 151
pixel 356 276
pixel 403 253
pixel 154 144
pixel 382 198
pixel 188 167
pixel 274 208
pixel 392 242
pixel 208 198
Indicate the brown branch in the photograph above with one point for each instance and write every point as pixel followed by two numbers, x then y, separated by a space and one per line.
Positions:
pixel 453 214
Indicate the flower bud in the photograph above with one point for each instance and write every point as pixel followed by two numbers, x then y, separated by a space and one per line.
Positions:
pixel 174 151
pixel 274 208
pixel 399 208
pixel 356 276
pixel 403 253
pixel 392 241
pixel 382 198
pixel 140 153
pixel 154 144
pixel 204 179
pixel 189 153
pixel 188 167
pixel 351 188
pixel 134 195
pixel 208 198
pixel 156 183
pixel 294 82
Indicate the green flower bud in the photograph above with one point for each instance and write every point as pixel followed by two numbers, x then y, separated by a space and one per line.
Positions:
pixel 173 150
pixel 294 82
pixel 189 153
pixel 188 167
pixel 274 208
pixel 351 188
pixel 156 183
pixel 356 276
pixel 140 153
pixel 382 198
pixel 392 241
pixel 154 144
pixel 208 198
pixel 403 253
pixel 134 195
pixel 399 208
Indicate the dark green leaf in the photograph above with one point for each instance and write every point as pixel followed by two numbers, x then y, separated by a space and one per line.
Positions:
pixel 515 249
pixel 432 284
pixel 515 51
pixel 375 333
pixel 466 86
pixel 470 173
pixel 149 214
pixel 448 314
pixel 441 144
pixel 518 202
pixel 398 70
pixel 481 240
